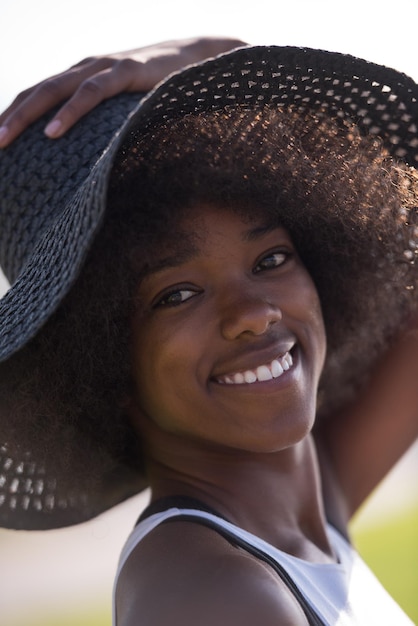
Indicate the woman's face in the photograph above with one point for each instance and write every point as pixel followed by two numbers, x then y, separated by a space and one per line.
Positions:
pixel 229 340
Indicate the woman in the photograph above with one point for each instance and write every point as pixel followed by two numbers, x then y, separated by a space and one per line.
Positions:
pixel 253 274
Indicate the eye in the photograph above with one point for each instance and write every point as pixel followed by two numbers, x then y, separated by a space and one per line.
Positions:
pixel 175 297
pixel 271 260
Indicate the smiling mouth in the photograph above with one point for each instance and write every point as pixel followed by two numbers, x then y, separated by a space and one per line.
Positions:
pixel 274 369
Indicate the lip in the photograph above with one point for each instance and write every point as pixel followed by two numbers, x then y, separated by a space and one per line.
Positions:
pixel 265 387
pixel 251 361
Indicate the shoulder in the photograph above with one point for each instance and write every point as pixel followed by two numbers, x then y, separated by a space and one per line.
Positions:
pixel 183 574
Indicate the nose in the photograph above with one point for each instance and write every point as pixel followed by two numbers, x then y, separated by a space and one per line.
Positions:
pixel 248 314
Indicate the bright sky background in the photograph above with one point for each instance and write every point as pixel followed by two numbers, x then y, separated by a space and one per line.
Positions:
pixel 41 37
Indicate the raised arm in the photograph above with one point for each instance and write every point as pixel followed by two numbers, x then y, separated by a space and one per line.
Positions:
pixel 83 86
pixel 365 441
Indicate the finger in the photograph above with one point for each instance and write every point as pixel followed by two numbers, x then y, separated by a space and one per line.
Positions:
pixel 36 101
pixel 16 102
pixel 91 92
pixel 33 105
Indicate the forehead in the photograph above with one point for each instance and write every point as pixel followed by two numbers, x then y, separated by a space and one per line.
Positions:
pixel 204 224
pixel 219 221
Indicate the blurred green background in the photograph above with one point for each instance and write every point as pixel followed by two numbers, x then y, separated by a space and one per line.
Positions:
pixel 390 547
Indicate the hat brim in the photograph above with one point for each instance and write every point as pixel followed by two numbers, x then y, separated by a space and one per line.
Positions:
pixel 380 100
pixel 72 176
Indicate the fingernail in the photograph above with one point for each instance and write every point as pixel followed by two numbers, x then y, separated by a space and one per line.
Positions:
pixel 53 128
pixel 4 132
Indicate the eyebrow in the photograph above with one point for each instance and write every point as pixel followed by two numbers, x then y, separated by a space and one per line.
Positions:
pixel 256 233
pixel 172 261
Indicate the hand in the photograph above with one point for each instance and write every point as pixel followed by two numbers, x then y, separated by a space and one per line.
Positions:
pixel 85 85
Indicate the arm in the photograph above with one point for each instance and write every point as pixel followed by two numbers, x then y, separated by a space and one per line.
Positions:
pixel 365 441
pixel 94 79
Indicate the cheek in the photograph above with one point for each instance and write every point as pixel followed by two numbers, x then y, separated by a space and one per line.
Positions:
pixel 307 307
pixel 150 354
pixel 321 339
pixel 164 365
pixel 319 329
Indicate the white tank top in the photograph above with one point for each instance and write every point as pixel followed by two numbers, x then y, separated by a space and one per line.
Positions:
pixel 342 594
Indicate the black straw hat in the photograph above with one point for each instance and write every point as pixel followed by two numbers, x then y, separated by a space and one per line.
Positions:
pixel 53 202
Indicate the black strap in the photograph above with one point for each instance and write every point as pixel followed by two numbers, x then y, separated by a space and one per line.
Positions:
pixel 185 502
pixel 177 502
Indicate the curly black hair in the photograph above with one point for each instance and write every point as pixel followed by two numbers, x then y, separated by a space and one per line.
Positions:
pixel 348 206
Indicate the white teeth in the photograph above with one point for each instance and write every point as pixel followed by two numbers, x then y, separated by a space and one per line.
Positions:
pixel 263 373
pixel 250 377
pixel 277 369
pixel 287 361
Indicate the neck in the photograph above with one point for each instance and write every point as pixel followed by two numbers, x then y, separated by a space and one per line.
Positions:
pixel 275 496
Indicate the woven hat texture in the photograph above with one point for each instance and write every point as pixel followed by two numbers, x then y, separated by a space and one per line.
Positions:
pixel 52 202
